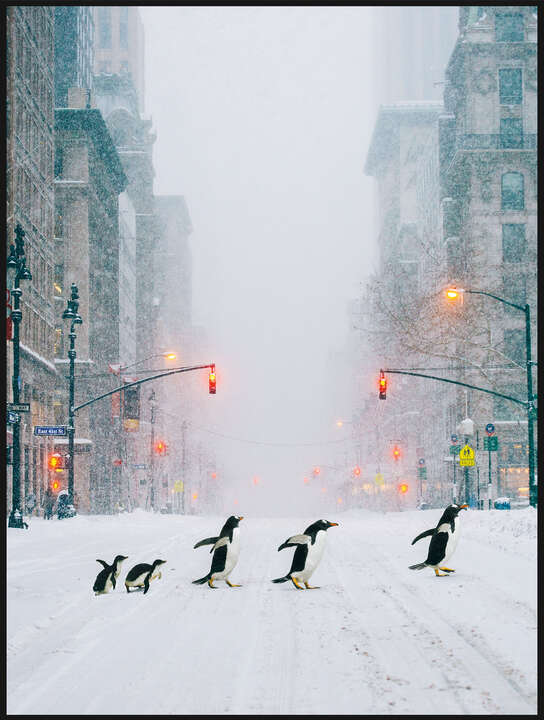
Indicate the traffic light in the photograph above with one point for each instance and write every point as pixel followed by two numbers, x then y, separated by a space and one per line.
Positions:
pixel 316 470
pixel 55 486
pixel 55 462
pixel 403 488
pixel 161 447
pixel 131 403
pixel 357 471
pixel 396 453
pixel 211 381
pixel 383 385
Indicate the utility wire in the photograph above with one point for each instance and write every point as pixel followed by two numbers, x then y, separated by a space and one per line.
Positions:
pixel 262 442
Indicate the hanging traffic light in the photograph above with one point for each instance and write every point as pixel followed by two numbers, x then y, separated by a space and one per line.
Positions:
pixel 211 381
pixel 396 453
pixel 316 470
pixel 357 471
pixel 403 488
pixel 55 462
pixel 55 486
pixel 382 385
pixel 161 447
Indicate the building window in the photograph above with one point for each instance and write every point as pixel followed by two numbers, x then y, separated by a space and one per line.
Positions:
pixel 513 242
pixel 514 346
pixel 59 159
pixel 511 133
pixel 509 27
pixel 104 26
pixel 510 86
pixel 515 290
pixel 123 28
pixel 59 223
pixel 512 191
pixel 58 281
pixel 58 346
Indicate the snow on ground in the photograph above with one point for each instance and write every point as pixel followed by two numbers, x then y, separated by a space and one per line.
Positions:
pixel 376 638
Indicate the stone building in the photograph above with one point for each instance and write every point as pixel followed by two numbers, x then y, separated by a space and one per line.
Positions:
pixel 74 47
pixel 29 186
pixel 88 181
pixel 488 161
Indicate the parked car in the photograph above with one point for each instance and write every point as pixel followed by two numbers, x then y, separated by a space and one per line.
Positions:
pixel 502 503
pixel 423 506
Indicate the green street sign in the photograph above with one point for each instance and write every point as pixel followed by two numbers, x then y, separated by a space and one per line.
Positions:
pixel 491 443
pixel 422 472
pixel 455 449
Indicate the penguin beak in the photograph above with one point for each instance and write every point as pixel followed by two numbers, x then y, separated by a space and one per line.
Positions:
pixel 241 517
pixel 463 507
pixel 332 524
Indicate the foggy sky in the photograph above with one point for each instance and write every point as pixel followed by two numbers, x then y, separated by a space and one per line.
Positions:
pixel 263 119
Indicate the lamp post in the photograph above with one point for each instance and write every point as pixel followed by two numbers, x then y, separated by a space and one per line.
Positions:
pixel 453 294
pixel 152 451
pixel 71 313
pixel 16 265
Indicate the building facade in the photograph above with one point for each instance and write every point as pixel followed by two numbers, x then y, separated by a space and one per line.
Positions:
pixel 29 136
pixel 74 48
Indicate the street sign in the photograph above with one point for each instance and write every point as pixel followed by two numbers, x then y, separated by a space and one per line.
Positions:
pixel 454 439
pixel 139 466
pixel 49 429
pixel 178 486
pixel 422 473
pixel 13 417
pixel 466 456
pixel 455 449
pixel 19 407
pixel 491 443
pixel 490 428
pixel 421 461
pixel 378 479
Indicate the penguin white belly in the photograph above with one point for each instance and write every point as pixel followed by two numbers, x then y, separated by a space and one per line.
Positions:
pixel 315 553
pixel 107 587
pixel 137 582
pixel 233 550
pixel 452 542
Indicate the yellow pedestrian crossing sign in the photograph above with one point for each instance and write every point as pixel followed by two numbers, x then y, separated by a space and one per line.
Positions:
pixel 466 456
pixel 378 479
pixel 178 486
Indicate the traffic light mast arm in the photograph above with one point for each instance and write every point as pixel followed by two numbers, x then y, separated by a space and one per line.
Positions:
pixel 457 382
pixel 144 380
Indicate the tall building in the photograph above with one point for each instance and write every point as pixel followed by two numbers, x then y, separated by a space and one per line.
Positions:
pixel 74 47
pixel 119 45
pixel 412 44
pixel 89 179
pixel 489 202
pixel 30 120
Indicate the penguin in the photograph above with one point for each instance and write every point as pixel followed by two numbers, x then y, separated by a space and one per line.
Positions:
pixel 226 549
pixel 142 574
pixel 309 549
pixel 443 541
pixel 105 580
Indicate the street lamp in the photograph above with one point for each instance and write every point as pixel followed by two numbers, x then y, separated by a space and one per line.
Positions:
pixel 166 355
pixel 17 270
pixel 71 313
pixel 452 295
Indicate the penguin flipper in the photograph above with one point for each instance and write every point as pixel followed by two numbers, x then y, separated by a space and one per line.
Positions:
pixel 295 540
pixel 113 580
pixel 207 541
pixel 221 541
pixel 103 563
pixel 146 584
pixel 423 534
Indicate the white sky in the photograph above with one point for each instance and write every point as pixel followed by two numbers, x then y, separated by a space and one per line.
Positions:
pixel 263 118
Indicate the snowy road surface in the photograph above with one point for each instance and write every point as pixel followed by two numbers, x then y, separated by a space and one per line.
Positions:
pixel 375 638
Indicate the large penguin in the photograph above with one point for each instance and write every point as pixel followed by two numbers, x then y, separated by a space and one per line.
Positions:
pixel 443 541
pixel 105 580
pixel 142 574
pixel 226 549
pixel 309 549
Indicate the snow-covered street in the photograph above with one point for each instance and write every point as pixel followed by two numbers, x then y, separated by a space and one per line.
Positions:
pixel 375 638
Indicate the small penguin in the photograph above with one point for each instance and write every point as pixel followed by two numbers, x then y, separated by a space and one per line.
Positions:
pixel 105 580
pixel 226 549
pixel 308 553
pixel 142 574
pixel 443 541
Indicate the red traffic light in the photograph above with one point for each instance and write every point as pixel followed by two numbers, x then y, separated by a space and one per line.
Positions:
pixel 55 486
pixel 382 386
pixel 357 470
pixel 403 488
pixel 316 470
pixel 212 381
pixel 396 452
pixel 160 447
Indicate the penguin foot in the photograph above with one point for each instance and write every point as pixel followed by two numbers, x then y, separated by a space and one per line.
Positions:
pixel 438 574
pixel 210 583
pixel 295 583
pixel 311 587
pixel 446 569
pixel 232 584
